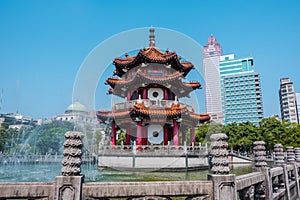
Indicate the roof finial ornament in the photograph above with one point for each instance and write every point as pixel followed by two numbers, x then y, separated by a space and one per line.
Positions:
pixel 151 38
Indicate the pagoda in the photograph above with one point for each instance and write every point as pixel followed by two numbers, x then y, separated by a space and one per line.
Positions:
pixel 152 84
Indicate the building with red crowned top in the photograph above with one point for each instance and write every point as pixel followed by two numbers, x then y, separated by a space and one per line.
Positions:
pixel 152 84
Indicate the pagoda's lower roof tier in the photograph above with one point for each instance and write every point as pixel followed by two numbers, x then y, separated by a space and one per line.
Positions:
pixel 151 55
pixel 140 112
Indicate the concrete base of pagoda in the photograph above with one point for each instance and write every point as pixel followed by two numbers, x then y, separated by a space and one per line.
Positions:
pixel 153 158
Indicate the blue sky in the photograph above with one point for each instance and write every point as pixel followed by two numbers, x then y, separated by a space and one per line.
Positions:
pixel 43 43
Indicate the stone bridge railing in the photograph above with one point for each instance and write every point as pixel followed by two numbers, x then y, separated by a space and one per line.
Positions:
pixel 279 182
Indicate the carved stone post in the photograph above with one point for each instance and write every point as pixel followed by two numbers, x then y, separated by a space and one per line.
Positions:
pixel 279 162
pixel 297 154
pixel 259 151
pixel 223 183
pixel 219 154
pixel 297 158
pixel 290 154
pixel 69 185
pixel 262 190
pixel 293 175
pixel 278 154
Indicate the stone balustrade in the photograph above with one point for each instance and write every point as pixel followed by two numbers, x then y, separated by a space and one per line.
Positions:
pixel 169 150
pixel 278 182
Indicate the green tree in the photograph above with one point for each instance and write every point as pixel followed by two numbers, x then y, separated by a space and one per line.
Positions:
pixel 204 131
pixel 272 131
pixel 121 136
pixel 241 136
pixel 231 130
pixel 3 138
pixel 200 133
pixel 293 134
pixel 49 138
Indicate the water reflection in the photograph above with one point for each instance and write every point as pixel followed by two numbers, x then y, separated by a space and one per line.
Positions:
pixel 47 173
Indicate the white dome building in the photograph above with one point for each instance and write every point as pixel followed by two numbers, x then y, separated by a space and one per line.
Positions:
pixel 76 107
pixel 77 113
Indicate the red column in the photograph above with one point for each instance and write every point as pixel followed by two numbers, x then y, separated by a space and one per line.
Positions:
pixel 128 134
pixel 113 133
pixel 165 94
pixel 145 138
pixel 139 134
pixel 192 135
pixel 144 93
pixel 166 135
pixel 175 133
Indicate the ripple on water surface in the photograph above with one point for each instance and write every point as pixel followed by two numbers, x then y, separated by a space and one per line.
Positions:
pixel 48 172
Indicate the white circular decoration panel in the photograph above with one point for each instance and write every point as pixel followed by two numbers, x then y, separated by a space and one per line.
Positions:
pixel 155 94
pixel 155 134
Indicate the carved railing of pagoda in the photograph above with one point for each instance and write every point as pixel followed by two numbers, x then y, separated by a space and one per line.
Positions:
pixel 199 150
pixel 149 103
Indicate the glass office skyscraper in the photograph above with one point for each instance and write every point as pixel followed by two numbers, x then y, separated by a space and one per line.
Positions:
pixel 240 90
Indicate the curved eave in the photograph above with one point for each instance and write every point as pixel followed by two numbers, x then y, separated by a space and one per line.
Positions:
pixel 142 78
pixel 153 113
pixel 173 82
pixel 155 56
pixel 202 118
pixel 195 85
pixel 106 115
pixel 156 113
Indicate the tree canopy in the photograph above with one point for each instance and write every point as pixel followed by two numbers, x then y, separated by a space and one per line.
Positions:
pixel 242 135
pixel 48 138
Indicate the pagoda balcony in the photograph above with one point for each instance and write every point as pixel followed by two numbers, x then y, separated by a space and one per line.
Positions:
pixel 154 104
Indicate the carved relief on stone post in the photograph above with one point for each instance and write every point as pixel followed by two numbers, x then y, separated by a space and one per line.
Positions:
pixel 247 193
pixel 69 185
pixel 297 154
pixel 72 154
pixel 224 185
pixel 278 154
pixel 290 154
pixel 259 151
pixel 219 154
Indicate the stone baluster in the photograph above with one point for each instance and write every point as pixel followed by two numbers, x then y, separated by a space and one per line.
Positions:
pixel 290 154
pixel 262 190
pixel 259 151
pixel 72 154
pixel 297 154
pixel 69 185
pixel 278 182
pixel 278 154
pixel 220 170
pixel 219 154
pixel 296 168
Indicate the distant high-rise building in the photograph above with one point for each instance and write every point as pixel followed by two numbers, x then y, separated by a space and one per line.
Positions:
pixel 287 100
pixel 211 57
pixel 241 90
pixel 297 94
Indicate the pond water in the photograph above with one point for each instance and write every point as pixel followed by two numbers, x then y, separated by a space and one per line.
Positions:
pixel 48 172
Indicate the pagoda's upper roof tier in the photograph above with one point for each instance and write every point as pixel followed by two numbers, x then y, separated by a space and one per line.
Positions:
pixel 151 55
